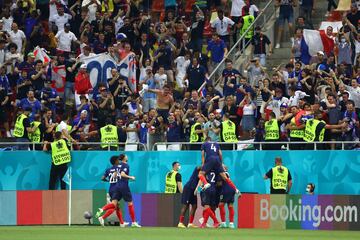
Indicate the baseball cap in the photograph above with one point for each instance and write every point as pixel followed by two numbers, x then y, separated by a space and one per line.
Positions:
pixel 321 53
pixel 83 65
pixel 67 25
pixel 283 105
pixel 31 54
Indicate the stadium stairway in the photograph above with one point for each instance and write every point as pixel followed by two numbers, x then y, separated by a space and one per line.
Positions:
pixel 282 55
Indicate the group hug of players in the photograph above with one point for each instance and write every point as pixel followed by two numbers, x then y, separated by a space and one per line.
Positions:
pixel 211 179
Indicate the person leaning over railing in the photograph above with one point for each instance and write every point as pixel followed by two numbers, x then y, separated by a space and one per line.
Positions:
pixel 228 132
pixel 38 132
pixel 197 133
pixel 23 128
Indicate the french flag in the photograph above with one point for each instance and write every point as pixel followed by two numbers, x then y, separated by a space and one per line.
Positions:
pixel 314 41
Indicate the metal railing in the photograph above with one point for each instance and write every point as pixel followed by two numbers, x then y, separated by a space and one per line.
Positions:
pixel 260 20
pixel 32 146
pixel 241 145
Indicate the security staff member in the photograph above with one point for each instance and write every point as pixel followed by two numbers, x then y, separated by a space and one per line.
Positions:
pixel 22 128
pixel 61 156
pixel 228 132
pixel 315 129
pixel 280 178
pixel 173 182
pixel 109 135
pixel 244 24
pixel 272 132
pixel 197 133
pixel 38 132
pixel 310 188
pixel 296 132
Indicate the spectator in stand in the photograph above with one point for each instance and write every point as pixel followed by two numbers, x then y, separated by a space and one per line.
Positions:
pixel 255 71
pixel 197 31
pixel 174 127
pixel 195 76
pixel 248 115
pixel 354 15
pixel 82 83
pixel 163 57
pixel 85 105
pixel 61 18
pixel 18 37
pixel 4 102
pixel 331 3
pixel 259 42
pixel 30 102
pixel 229 79
pixel 38 77
pixel 106 105
pixel 49 97
pixel 27 65
pixel 301 23
pixel 306 10
pixel 218 51
pixel 65 38
pixel 351 119
pixel 286 14
pixel 222 26
pixel 164 101
pixel 296 45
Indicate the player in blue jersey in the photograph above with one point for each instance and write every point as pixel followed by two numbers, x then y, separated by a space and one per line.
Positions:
pixel 227 196
pixel 208 199
pixel 211 157
pixel 112 175
pixel 188 197
pixel 123 187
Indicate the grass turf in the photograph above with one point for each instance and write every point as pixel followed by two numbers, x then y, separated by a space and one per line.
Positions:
pixel 150 233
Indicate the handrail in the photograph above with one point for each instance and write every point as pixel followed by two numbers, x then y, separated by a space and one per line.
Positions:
pixel 286 144
pixel 108 145
pixel 238 41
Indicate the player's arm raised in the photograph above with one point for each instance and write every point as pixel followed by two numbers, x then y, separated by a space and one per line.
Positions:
pixel 202 157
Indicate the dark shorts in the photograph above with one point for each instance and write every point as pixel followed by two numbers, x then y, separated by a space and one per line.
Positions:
pixel 121 193
pixel 209 197
pixel 227 197
pixel 188 197
pixel 213 164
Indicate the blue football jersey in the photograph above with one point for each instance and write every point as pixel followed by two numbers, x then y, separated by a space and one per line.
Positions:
pixel 112 174
pixel 126 169
pixel 194 179
pixel 211 149
pixel 212 178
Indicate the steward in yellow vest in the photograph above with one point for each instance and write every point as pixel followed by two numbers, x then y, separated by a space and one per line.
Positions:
pixel 272 130
pixel 109 134
pixel 280 178
pixel 173 182
pixel 244 24
pixel 197 133
pixel 296 133
pixel 22 125
pixel 60 155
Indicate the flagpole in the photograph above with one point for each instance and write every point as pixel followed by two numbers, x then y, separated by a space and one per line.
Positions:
pixel 70 195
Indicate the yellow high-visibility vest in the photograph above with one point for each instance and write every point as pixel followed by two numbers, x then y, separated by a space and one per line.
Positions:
pixel 35 136
pixel 296 133
pixel 59 152
pixel 109 134
pixel 272 130
pixel 229 131
pixel 280 178
pixel 19 129
pixel 170 182
pixel 310 130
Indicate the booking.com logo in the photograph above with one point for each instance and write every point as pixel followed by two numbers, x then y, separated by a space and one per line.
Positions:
pixel 298 212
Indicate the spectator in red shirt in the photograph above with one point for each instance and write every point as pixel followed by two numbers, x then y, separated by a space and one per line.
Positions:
pixel 82 84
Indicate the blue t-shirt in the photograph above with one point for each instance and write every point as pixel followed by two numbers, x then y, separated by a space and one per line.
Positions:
pixel 112 174
pixel 229 76
pixel 173 132
pixel 35 106
pixel 217 50
pixel 211 149
pixel 194 179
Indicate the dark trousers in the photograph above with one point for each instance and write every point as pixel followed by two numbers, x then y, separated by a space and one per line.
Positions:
pixel 57 172
pixel 331 3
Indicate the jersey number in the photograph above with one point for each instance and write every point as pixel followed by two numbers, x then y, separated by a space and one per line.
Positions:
pixel 114 177
pixel 213 147
pixel 212 177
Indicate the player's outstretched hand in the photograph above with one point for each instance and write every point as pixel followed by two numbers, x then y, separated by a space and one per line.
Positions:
pixel 132 178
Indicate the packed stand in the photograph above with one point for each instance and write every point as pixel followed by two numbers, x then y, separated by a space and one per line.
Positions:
pixel 176 44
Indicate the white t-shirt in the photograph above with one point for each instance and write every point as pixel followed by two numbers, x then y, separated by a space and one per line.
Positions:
pixel 249 109
pixel 17 38
pixel 53 9
pixel 61 20
pixel 15 58
pixel 236 8
pixel 161 79
pixel 119 24
pixel 62 126
pixel 132 137
pixel 82 56
pixel 181 65
pixel 222 26
pixel 64 40
pixel 7 23
pixel 276 103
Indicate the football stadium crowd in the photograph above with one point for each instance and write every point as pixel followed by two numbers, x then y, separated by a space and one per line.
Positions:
pixel 176 46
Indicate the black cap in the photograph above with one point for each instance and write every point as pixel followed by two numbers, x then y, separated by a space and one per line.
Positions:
pixel 67 25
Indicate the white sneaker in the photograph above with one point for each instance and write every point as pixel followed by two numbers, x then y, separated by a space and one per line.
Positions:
pixel 231 225
pixel 223 225
pixel 124 224
pixel 101 221
pixel 135 224
pixel 277 46
pixel 206 186
pixel 238 193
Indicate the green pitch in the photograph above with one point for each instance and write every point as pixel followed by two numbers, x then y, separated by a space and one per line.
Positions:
pixel 149 233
